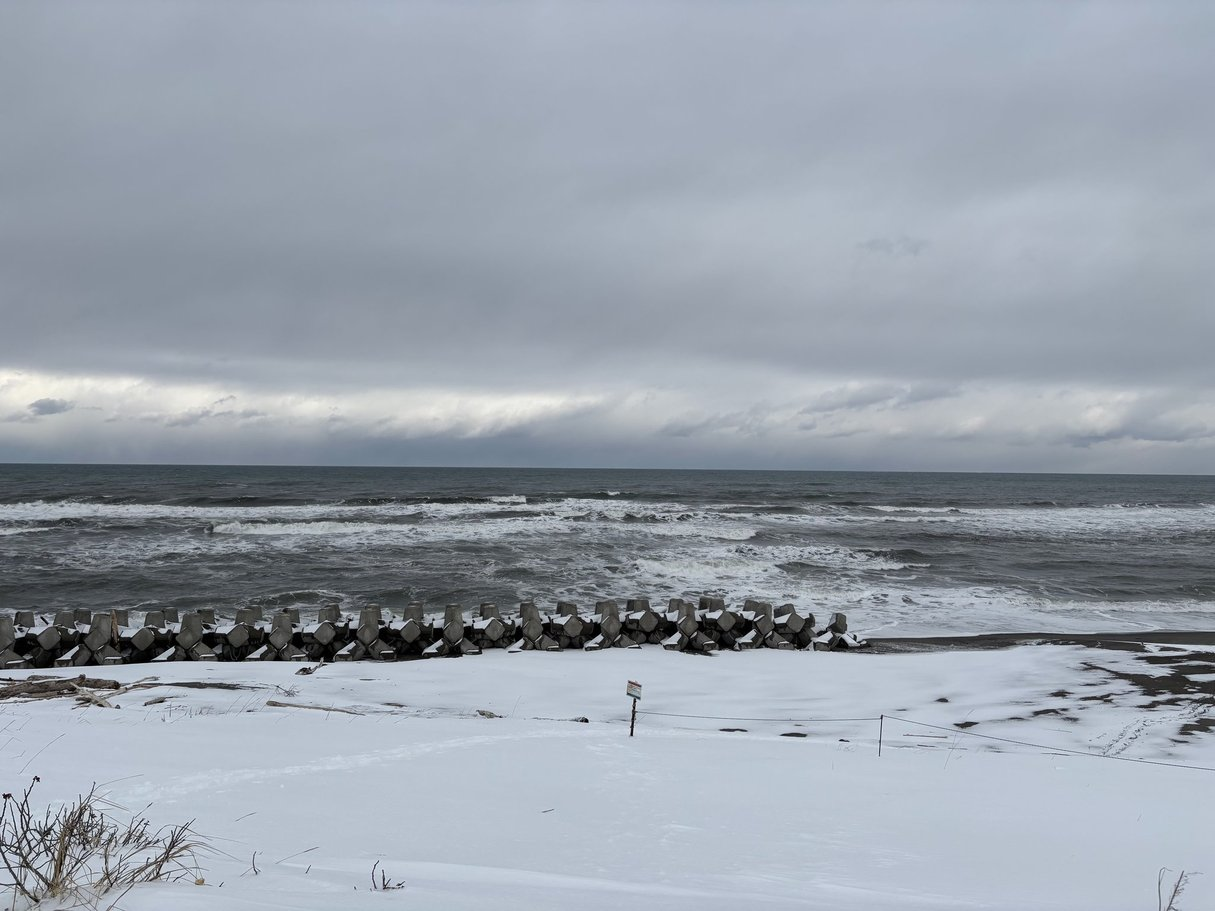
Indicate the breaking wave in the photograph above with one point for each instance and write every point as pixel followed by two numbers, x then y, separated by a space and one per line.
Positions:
pixel 952 553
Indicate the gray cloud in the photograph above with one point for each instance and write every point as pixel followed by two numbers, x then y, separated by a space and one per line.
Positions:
pixel 50 406
pixel 753 422
pixel 841 208
pixel 883 395
pixel 199 415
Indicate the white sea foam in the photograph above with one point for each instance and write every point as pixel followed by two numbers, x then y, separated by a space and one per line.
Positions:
pixel 1053 522
pixel 131 512
pixel 883 596
pixel 318 527
pixel 918 510
pixel 745 571
pixel 591 548
pixel 979 610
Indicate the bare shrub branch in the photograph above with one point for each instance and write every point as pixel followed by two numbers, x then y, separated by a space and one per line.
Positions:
pixel 384 884
pixel 1174 893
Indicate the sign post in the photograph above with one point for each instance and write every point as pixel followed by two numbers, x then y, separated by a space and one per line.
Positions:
pixel 634 692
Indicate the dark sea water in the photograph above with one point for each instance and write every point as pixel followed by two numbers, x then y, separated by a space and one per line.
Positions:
pixel 902 554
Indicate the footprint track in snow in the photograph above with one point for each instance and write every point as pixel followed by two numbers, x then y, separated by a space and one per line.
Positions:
pixel 216 780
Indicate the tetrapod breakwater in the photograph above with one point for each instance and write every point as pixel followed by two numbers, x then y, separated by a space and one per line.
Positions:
pixel 82 638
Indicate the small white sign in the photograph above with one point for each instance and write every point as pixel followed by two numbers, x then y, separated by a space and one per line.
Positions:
pixel 633 689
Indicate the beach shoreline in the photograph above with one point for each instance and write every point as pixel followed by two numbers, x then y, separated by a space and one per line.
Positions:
pixel 1136 640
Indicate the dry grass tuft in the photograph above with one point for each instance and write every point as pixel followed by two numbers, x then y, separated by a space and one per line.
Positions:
pixel 78 850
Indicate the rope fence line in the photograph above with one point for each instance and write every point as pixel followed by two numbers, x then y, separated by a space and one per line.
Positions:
pixel 882 719
pixel 784 720
pixel 1050 749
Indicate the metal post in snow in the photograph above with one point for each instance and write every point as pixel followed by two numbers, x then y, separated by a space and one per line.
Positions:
pixel 881 724
pixel 634 692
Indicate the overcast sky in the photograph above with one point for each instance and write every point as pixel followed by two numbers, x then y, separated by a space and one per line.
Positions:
pixel 901 235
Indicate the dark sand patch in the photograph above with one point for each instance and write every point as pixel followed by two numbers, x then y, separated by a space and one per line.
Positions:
pixel 1177 684
pixel 1178 674
pixel 1124 641
pixel 1197 726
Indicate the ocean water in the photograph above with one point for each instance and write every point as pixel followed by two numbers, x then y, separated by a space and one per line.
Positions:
pixel 901 554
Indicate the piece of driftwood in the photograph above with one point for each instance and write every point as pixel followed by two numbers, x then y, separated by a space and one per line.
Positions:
pixel 193 685
pixel 88 697
pixel 43 687
pixel 274 703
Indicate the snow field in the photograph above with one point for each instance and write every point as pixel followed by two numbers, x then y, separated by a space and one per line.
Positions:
pixel 536 811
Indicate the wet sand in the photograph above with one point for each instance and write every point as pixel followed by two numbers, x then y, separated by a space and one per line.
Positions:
pixel 1128 641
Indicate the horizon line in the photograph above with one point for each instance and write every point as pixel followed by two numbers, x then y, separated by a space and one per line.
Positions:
pixel 382 467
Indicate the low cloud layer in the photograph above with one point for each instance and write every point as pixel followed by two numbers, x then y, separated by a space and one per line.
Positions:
pixel 867 427
pixel 833 235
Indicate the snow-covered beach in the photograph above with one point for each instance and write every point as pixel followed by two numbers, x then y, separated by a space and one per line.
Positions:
pixel 474 784
pixel 629 456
